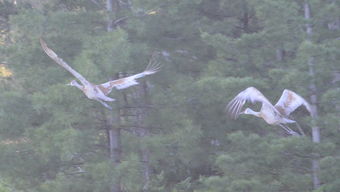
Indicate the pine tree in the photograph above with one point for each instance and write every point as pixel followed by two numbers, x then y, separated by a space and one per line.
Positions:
pixel 178 137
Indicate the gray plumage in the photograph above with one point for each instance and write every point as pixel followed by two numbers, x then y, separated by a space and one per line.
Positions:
pixel 100 92
pixel 277 114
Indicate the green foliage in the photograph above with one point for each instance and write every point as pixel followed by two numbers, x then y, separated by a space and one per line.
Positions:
pixel 52 138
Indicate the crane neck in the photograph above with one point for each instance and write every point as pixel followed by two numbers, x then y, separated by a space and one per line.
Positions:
pixel 76 84
pixel 249 111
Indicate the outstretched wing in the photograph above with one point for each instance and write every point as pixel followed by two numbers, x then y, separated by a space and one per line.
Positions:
pixel 62 63
pixel 250 94
pixel 289 101
pixel 126 82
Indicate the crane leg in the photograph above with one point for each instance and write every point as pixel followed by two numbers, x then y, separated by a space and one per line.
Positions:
pixel 105 104
pixel 300 129
pixel 289 131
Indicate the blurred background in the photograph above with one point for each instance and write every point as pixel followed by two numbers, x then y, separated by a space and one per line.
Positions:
pixel 170 133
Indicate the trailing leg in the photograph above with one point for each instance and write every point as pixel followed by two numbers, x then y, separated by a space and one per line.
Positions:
pixel 289 131
pixel 300 129
pixel 105 104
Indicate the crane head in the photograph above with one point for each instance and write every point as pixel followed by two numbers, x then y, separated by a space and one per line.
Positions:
pixel 74 83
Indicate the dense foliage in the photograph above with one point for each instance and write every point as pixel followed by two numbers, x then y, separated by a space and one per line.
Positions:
pixel 52 138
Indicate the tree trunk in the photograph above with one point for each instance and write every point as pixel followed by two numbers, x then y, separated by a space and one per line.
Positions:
pixel 114 126
pixel 279 54
pixel 115 147
pixel 145 152
pixel 313 99
pixel 109 11
pixel 112 6
pixel 115 153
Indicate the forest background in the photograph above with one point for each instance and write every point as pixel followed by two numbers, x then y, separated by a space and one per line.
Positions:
pixel 170 133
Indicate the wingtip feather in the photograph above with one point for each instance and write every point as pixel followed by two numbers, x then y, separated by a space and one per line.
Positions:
pixel 232 108
pixel 153 67
pixel 47 50
pixel 43 44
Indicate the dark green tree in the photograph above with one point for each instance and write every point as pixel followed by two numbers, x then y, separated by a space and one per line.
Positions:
pixel 174 132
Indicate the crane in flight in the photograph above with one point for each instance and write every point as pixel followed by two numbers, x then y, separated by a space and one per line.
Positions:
pixel 100 92
pixel 273 115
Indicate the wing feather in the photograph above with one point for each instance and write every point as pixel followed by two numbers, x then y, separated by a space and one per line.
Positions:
pixel 62 63
pixel 123 83
pixel 251 94
pixel 232 108
pixel 290 101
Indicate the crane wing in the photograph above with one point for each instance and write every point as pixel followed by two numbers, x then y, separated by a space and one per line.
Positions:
pixel 290 101
pixel 62 63
pixel 126 82
pixel 250 94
